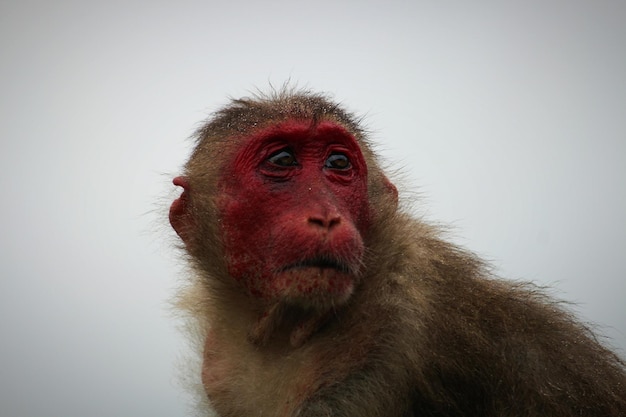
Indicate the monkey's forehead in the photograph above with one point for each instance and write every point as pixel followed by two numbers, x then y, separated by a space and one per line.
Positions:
pixel 297 134
pixel 301 129
pixel 228 139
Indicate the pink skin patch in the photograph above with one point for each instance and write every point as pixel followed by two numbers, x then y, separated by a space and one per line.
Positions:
pixel 292 208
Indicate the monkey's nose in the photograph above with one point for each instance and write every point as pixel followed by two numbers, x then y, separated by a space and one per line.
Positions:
pixel 325 222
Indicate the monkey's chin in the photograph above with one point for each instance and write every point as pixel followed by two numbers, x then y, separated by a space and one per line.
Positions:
pixel 315 287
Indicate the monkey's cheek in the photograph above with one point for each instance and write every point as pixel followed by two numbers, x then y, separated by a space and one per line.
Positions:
pixel 313 286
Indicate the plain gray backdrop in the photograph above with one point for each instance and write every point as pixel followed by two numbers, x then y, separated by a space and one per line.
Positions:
pixel 506 119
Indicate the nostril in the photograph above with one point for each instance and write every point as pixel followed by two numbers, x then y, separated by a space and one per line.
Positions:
pixel 316 221
pixel 326 223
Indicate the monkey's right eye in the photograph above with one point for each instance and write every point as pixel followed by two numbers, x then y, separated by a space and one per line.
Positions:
pixel 283 158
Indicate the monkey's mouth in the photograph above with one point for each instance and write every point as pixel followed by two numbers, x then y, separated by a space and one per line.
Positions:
pixel 319 263
pixel 319 282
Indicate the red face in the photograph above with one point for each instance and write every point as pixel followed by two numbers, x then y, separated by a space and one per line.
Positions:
pixel 293 206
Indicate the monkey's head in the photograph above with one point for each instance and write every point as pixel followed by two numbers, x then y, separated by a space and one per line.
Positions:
pixel 279 197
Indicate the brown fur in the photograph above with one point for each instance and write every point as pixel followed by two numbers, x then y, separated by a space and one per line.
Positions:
pixel 428 332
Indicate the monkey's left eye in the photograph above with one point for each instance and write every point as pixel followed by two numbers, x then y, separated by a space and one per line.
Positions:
pixel 283 158
pixel 337 161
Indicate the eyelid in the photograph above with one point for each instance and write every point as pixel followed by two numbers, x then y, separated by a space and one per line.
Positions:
pixel 339 156
pixel 274 170
pixel 277 156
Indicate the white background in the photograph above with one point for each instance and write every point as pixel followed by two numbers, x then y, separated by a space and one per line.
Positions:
pixel 508 119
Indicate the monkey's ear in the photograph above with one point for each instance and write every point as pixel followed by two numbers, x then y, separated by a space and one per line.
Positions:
pixel 180 218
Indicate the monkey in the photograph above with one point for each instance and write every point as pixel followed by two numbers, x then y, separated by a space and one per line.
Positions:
pixel 315 292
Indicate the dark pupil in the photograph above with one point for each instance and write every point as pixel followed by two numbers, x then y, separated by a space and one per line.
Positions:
pixel 283 159
pixel 338 161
